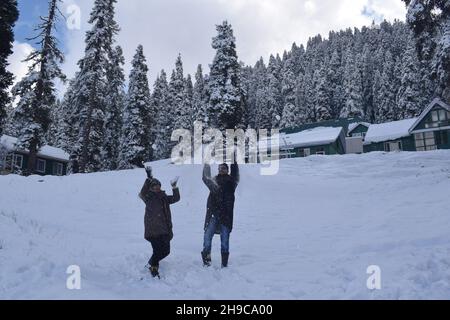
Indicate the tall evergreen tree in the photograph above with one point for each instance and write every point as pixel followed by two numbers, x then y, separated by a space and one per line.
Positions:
pixel 322 95
pixel 353 88
pixel 225 104
pixel 9 15
pixel 409 100
pixel 441 61
pixel 335 71
pixel 263 115
pixel 386 93
pixel 68 126
pixel 309 95
pixel 367 74
pixel 274 96
pixel 8 122
pixel 295 114
pixel 288 86
pixel 188 96
pixel 244 123
pixel 37 90
pixel 177 97
pixel 430 21
pixel 257 82
pixel 135 141
pixel 164 118
pixel 89 88
pixel 375 112
pixel 55 121
pixel 115 105
pixel 199 96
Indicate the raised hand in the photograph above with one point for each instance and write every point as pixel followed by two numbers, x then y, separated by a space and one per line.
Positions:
pixel 149 170
pixel 174 182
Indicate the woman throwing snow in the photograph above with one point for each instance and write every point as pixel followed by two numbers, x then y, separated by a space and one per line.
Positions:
pixel 158 218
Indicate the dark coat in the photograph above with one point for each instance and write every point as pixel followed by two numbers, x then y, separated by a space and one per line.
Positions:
pixel 158 218
pixel 221 197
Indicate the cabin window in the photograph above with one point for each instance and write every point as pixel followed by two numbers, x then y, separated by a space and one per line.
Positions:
pixel 306 152
pixel 58 169
pixel 17 161
pixel 425 141
pixel 441 137
pixel 393 146
pixel 320 151
pixel 438 118
pixel 359 134
pixel 40 165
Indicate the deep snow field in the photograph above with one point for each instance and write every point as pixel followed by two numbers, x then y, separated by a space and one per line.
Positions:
pixel 309 232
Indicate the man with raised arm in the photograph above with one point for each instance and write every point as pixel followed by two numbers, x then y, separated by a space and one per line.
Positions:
pixel 220 209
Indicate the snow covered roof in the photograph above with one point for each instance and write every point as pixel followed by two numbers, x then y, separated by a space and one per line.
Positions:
pixel 46 151
pixel 353 126
pixel 313 137
pixel 389 131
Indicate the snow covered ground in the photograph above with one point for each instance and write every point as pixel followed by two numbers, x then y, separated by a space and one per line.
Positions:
pixel 309 232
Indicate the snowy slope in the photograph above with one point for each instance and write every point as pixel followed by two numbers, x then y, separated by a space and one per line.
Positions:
pixel 308 233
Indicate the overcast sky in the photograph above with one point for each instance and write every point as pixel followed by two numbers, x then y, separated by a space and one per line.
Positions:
pixel 168 27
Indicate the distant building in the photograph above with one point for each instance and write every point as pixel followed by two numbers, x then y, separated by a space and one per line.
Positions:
pixel 315 141
pixel 352 130
pixel 355 137
pixel 346 124
pixel 430 131
pixel 390 136
pixel 50 160
pixel 358 129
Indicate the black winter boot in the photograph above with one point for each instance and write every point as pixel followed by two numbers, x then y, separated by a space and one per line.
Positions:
pixel 155 272
pixel 225 256
pixel 206 257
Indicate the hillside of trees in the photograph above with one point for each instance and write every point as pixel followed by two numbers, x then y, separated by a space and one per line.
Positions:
pixel 379 73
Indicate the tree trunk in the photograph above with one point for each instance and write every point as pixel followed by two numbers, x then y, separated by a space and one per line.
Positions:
pixel 87 132
pixel 39 90
pixel 31 168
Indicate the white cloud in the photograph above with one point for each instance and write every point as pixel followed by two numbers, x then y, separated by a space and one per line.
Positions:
pixel 310 7
pixel 16 64
pixel 388 9
pixel 262 27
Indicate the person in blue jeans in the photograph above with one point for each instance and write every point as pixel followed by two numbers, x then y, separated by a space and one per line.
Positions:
pixel 220 210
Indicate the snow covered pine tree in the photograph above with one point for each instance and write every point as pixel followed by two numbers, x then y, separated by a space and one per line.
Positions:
pixel 37 90
pixel 89 89
pixel 135 144
pixel 10 14
pixel 225 104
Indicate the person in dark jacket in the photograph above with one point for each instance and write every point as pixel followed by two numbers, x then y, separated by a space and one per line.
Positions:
pixel 158 218
pixel 220 209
